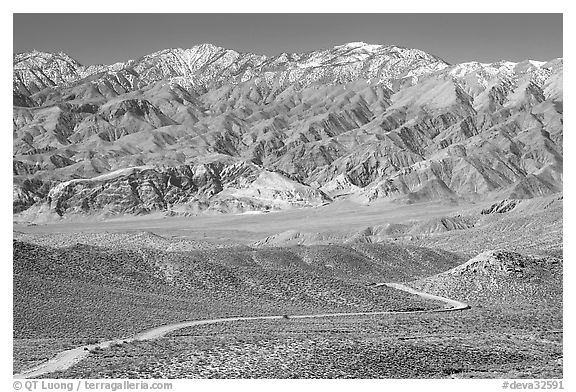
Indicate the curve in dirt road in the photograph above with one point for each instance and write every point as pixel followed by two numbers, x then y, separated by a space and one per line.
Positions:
pixel 452 303
pixel 68 358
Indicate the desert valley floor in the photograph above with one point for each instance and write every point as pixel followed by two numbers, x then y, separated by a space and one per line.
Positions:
pixel 85 290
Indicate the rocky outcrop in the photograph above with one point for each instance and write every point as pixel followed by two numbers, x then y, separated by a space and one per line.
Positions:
pixel 185 189
pixel 499 262
pixel 501 207
pixel 501 277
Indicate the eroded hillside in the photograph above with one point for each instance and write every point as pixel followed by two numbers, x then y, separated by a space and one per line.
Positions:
pixel 210 129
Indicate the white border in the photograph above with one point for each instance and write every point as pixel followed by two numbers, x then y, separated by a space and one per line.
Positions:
pixel 304 6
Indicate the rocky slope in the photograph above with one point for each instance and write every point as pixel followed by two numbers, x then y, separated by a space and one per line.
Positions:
pixel 506 278
pixel 207 128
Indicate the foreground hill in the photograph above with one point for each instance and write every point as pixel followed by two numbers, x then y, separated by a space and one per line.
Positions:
pixel 209 129
pixel 114 291
pixel 501 277
pixel 513 330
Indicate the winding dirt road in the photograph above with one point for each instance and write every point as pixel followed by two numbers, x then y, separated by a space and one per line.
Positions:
pixel 68 358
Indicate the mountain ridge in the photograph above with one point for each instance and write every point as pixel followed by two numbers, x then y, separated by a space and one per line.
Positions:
pixel 206 53
pixel 357 120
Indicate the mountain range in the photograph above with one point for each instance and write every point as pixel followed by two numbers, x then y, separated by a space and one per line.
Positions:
pixel 209 129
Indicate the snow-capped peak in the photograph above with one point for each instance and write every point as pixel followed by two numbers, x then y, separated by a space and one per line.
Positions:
pixel 355 44
pixel 359 45
pixel 537 64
